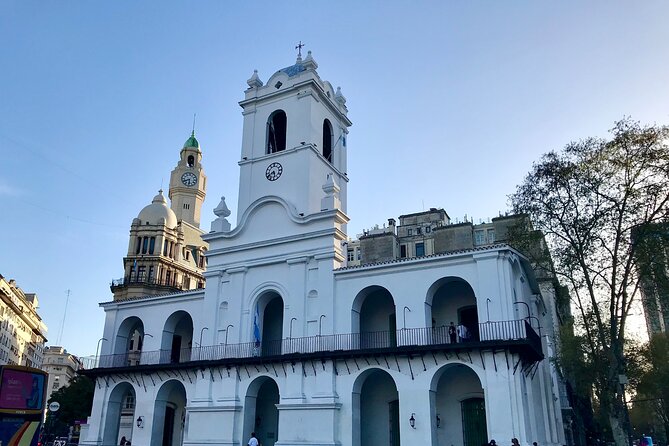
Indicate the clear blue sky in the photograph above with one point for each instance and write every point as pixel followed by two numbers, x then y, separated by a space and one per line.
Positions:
pixel 451 103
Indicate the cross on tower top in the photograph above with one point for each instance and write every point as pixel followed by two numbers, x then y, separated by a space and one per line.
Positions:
pixel 299 48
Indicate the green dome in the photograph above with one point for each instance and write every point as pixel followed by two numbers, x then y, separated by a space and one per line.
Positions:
pixel 192 142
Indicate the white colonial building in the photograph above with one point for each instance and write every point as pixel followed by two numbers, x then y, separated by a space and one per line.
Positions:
pixel 289 342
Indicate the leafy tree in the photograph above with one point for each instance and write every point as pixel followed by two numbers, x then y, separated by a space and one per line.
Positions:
pixel 588 201
pixel 76 402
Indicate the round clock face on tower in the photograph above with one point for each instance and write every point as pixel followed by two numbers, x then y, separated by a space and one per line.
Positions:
pixel 274 171
pixel 189 179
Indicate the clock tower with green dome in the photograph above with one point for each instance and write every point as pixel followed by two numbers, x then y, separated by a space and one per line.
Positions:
pixel 188 184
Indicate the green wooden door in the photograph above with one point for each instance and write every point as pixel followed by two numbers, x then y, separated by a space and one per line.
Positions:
pixel 474 431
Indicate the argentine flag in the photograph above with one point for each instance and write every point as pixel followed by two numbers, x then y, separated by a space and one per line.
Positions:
pixel 256 328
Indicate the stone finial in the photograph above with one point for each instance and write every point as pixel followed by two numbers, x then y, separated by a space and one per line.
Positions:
pixel 339 97
pixel 221 211
pixel 331 200
pixel 309 62
pixel 254 81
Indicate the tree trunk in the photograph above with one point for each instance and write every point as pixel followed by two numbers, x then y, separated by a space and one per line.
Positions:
pixel 617 421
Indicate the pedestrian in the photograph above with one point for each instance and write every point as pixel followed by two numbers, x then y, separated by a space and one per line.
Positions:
pixel 492 443
pixel 253 441
pixel 123 441
pixel 534 443
pixel 452 334
pixel 462 332
pixel 514 442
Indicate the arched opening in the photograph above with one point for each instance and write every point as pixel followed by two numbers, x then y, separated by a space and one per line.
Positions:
pixel 276 131
pixel 327 140
pixel 457 399
pixel 376 409
pixel 169 415
pixel 272 324
pixel 129 342
pixel 453 311
pixel 120 414
pixel 177 339
pixel 374 318
pixel 191 161
pixel 260 412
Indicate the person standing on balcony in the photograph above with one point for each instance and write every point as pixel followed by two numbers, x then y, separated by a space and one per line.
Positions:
pixel 462 333
pixel 452 333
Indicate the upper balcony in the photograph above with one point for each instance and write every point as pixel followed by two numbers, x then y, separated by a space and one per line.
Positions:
pixel 145 281
pixel 515 336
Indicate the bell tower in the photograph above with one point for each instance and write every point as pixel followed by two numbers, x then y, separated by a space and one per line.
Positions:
pixel 294 140
pixel 188 183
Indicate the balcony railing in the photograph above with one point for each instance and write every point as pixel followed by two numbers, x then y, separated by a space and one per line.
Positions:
pixel 143 280
pixel 489 335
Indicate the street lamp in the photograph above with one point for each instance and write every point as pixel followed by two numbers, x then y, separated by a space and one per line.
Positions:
pixel 290 335
pixel 97 350
pixel 487 307
pixel 404 312
pixel 320 320
pixel 226 333
pixel 202 331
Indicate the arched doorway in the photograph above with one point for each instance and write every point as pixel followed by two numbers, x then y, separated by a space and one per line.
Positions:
pixel 260 412
pixel 120 414
pixel 169 415
pixel 129 342
pixel 457 399
pixel 376 409
pixel 177 338
pixel 452 300
pixel 374 318
pixel 270 326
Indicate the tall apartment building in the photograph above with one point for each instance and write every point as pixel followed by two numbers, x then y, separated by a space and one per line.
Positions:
pixel 653 269
pixel 22 331
pixel 61 366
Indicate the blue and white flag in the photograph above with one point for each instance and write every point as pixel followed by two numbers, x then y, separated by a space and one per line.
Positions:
pixel 256 327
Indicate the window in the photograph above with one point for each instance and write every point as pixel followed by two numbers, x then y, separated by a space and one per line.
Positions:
pixel 327 140
pixel 140 272
pixel 491 236
pixel 276 132
pixel 165 248
pixel 191 161
pixel 129 402
pixel 420 249
pixel 351 255
pixel 410 231
pixel 186 206
pixel 418 230
pixel 150 272
pixel 479 237
pixel 359 256
pixel 187 255
pixel 145 244
pixel 138 245
pixel 403 251
pixel 152 245
pixel 428 229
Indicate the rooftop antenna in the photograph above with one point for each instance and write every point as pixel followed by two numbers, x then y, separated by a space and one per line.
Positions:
pixel 62 324
pixel 194 115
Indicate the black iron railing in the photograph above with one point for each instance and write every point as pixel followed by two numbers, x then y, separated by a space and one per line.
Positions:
pixel 145 280
pixel 486 334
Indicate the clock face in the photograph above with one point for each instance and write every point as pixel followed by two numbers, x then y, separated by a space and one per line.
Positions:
pixel 189 179
pixel 274 171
